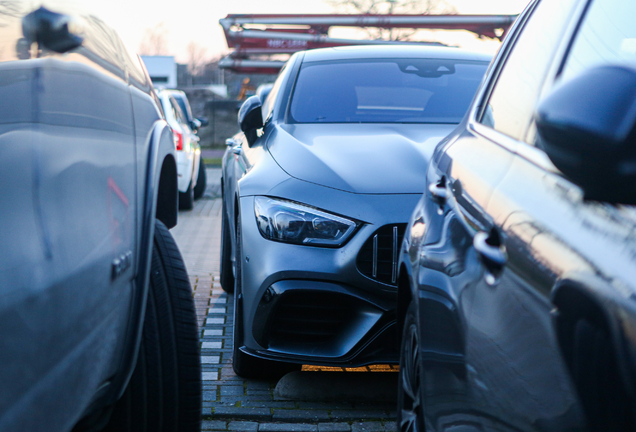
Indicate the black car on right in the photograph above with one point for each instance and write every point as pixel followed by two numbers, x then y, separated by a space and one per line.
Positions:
pixel 517 277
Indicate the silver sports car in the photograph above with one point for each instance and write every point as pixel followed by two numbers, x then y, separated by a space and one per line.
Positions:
pixel 317 191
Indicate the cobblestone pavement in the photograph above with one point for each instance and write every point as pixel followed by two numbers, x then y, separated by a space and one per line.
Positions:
pixel 231 403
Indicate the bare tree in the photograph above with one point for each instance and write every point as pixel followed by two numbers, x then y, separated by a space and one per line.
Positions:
pixel 391 7
pixel 196 57
pixel 155 41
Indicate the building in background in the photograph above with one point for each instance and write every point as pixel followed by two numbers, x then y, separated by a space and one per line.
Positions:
pixel 162 70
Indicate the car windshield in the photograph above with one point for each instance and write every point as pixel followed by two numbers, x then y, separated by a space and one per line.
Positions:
pixel 385 91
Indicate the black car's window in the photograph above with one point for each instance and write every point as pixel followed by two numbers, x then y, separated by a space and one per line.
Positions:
pixel 184 108
pixel 178 114
pixel 268 103
pixel 511 104
pixel 385 91
pixel 607 36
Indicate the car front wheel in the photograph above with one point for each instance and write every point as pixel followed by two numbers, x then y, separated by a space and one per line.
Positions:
pixel 409 409
pixel 164 392
pixel 199 189
pixel 227 275
pixel 186 199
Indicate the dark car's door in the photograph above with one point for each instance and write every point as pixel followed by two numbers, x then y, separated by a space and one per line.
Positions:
pixel 568 257
pixel 502 311
pixel 68 209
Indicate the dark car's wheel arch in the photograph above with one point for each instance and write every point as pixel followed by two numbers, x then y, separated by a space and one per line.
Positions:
pixel 582 319
pixel 167 193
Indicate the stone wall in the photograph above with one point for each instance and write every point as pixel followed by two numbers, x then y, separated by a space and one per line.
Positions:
pixel 221 114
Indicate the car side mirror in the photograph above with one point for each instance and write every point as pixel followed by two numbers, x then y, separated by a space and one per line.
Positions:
pixel 250 118
pixel 587 127
pixel 195 124
pixel 203 121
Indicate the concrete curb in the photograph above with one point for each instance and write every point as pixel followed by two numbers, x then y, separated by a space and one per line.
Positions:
pixel 337 387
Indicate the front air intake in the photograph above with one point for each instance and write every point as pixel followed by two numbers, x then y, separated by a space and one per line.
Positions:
pixel 379 255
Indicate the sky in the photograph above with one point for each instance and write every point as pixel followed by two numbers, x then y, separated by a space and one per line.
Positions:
pixel 198 20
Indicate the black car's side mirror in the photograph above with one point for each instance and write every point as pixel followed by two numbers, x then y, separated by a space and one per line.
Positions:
pixel 203 121
pixel 250 118
pixel 587 127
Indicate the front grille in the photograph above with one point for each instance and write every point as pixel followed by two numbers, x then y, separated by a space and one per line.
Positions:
pixel 379 255
pixel 310 318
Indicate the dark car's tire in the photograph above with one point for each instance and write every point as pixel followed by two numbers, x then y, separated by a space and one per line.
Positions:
pixel 164 392
pixel 410 416
pixel 186 199
pixel 227 276
pixel 245 365
pixel 596 375
pixel 199 189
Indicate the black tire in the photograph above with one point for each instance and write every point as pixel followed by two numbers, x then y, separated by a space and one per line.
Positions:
pixel 245 365
pixel 227 275
pixel 199 189
pixel 410 415
pixel 186 199
pixel 598 380
pixel 164 392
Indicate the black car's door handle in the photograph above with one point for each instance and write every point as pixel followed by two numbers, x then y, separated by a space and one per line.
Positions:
pixel 438 191
pixel 490 249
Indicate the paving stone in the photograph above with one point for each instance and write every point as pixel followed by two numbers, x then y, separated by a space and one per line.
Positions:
pixel 357 415
pixel 216 310
pixel 209 376
pixel 367 427
pixel 212 332
pixel 259 385
pixel 232 390
pixel 242 426
pixel 390 426
pixel 209 395
pixel 325 405
pixel 259 392
pixel 213 425
pixel 334 427
pixel 243 413
pixel 211 345
pixel 269 404
pixel 300 415
pixel 285 427
pixel 215 321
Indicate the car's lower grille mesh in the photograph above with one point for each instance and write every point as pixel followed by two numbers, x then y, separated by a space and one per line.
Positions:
pixel 309 317
pixel 378 257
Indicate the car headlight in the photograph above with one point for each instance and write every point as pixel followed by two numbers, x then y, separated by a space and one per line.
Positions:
pixel 290 222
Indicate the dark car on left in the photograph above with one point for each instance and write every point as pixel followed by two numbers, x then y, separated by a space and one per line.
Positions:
pixel 97 323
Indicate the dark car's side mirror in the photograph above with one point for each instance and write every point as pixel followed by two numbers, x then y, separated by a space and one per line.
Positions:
pixel 203 121
pixel 250 118
pixel 587 127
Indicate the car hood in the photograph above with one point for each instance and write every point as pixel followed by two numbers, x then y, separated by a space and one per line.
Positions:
pixel 358 158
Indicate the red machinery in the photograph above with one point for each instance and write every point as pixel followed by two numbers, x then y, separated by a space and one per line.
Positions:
pixel 267 35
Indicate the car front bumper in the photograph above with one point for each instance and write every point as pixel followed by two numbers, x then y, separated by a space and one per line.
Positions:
pixel 315 305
